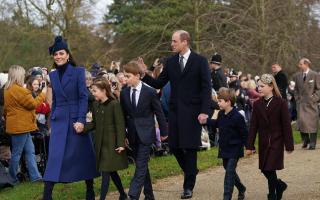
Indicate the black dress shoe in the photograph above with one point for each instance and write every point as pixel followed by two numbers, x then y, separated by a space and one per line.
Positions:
pixel 187 194
pixel 123 197
pixel 311 148
pixel 281 187
pixel 305 145
pixel 242 194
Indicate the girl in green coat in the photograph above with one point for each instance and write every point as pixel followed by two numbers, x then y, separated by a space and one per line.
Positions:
pixel 108 137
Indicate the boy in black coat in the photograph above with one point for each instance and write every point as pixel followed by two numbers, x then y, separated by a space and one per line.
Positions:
pixel 232 138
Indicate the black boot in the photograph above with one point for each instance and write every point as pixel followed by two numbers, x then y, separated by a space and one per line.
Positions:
pixel 281 187
pixel 47 193
pixel 90 191
pixel 242 194
pixel 272 197
pixel 123 196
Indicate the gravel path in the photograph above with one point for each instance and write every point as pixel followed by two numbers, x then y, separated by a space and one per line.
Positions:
pixel 302 174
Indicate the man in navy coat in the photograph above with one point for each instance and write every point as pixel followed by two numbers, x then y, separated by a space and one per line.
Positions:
pixel 190 97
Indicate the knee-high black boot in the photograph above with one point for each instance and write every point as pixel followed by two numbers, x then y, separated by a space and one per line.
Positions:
pixel 90 191
pixel 47 192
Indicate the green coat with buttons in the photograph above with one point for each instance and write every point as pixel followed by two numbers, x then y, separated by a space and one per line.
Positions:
pixel 109 133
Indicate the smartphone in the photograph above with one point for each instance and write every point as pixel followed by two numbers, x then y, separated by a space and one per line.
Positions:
pixel 114 84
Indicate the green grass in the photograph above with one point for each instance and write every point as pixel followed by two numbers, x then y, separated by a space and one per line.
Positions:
pixel 160 167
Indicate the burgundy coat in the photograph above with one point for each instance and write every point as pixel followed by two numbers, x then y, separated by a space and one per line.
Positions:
pixel 273 125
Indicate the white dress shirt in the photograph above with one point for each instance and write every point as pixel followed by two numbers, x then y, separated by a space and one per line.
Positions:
pixel 185 57
pixel 138 88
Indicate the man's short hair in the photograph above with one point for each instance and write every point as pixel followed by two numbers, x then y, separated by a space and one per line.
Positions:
pixel 184 35
pixel 306 61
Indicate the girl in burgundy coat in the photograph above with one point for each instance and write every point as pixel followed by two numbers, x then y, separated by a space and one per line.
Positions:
pixel 270 118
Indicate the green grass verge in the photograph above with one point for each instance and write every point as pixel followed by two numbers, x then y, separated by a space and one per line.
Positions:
pixel 160 167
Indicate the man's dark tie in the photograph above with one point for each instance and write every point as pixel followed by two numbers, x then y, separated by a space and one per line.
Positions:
pixel 181 63
pixel 133 99
pixel 304 77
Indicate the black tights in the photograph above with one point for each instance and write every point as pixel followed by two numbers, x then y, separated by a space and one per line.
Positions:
pixel 48 187
pixel 105 184
pixel 272 181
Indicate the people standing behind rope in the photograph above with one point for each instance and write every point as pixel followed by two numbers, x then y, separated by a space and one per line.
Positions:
pixel 218 77
pixel 307 96
pixel 233 135
pixel 108 136
pixel 19 114
pixel 71 154
pixel 270 119
pixel 281 79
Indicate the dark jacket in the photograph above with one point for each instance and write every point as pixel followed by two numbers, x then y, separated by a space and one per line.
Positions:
pixel 232 133
pixel 109 134
pixel 282 83
pixel 219 79
pixel 190 96
pixel 273 125
pixel 140 122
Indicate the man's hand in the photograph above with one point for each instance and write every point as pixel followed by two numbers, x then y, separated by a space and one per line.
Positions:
pixel 202 118
pixel 249 152
pixel 126 142
pixel 143 66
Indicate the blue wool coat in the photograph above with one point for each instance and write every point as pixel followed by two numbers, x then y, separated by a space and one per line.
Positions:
pixel 71 155
pixel 233 133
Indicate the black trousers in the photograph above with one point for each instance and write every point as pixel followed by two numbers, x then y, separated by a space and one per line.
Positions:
pixel 141 178
pixel 312 139
pixel 272 181
pixel 187 159
pixel 105 184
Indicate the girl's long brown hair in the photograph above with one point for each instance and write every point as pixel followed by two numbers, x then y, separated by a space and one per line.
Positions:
pixel 268 79
pixel 103 84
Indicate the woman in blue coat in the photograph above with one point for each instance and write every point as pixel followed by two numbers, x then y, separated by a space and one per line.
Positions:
pixel 71 155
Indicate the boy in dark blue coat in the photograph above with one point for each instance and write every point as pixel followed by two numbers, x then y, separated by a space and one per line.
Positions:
pixel 232 138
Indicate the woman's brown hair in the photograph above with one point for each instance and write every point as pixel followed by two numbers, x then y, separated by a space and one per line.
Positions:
pixel 103 84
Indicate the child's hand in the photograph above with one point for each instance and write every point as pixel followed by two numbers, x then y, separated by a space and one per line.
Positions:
pixel 249 152
pixel 203 121
pixel 120 149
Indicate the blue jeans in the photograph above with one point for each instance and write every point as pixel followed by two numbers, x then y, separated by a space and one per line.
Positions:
pixel 231 178
pixel 23 143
